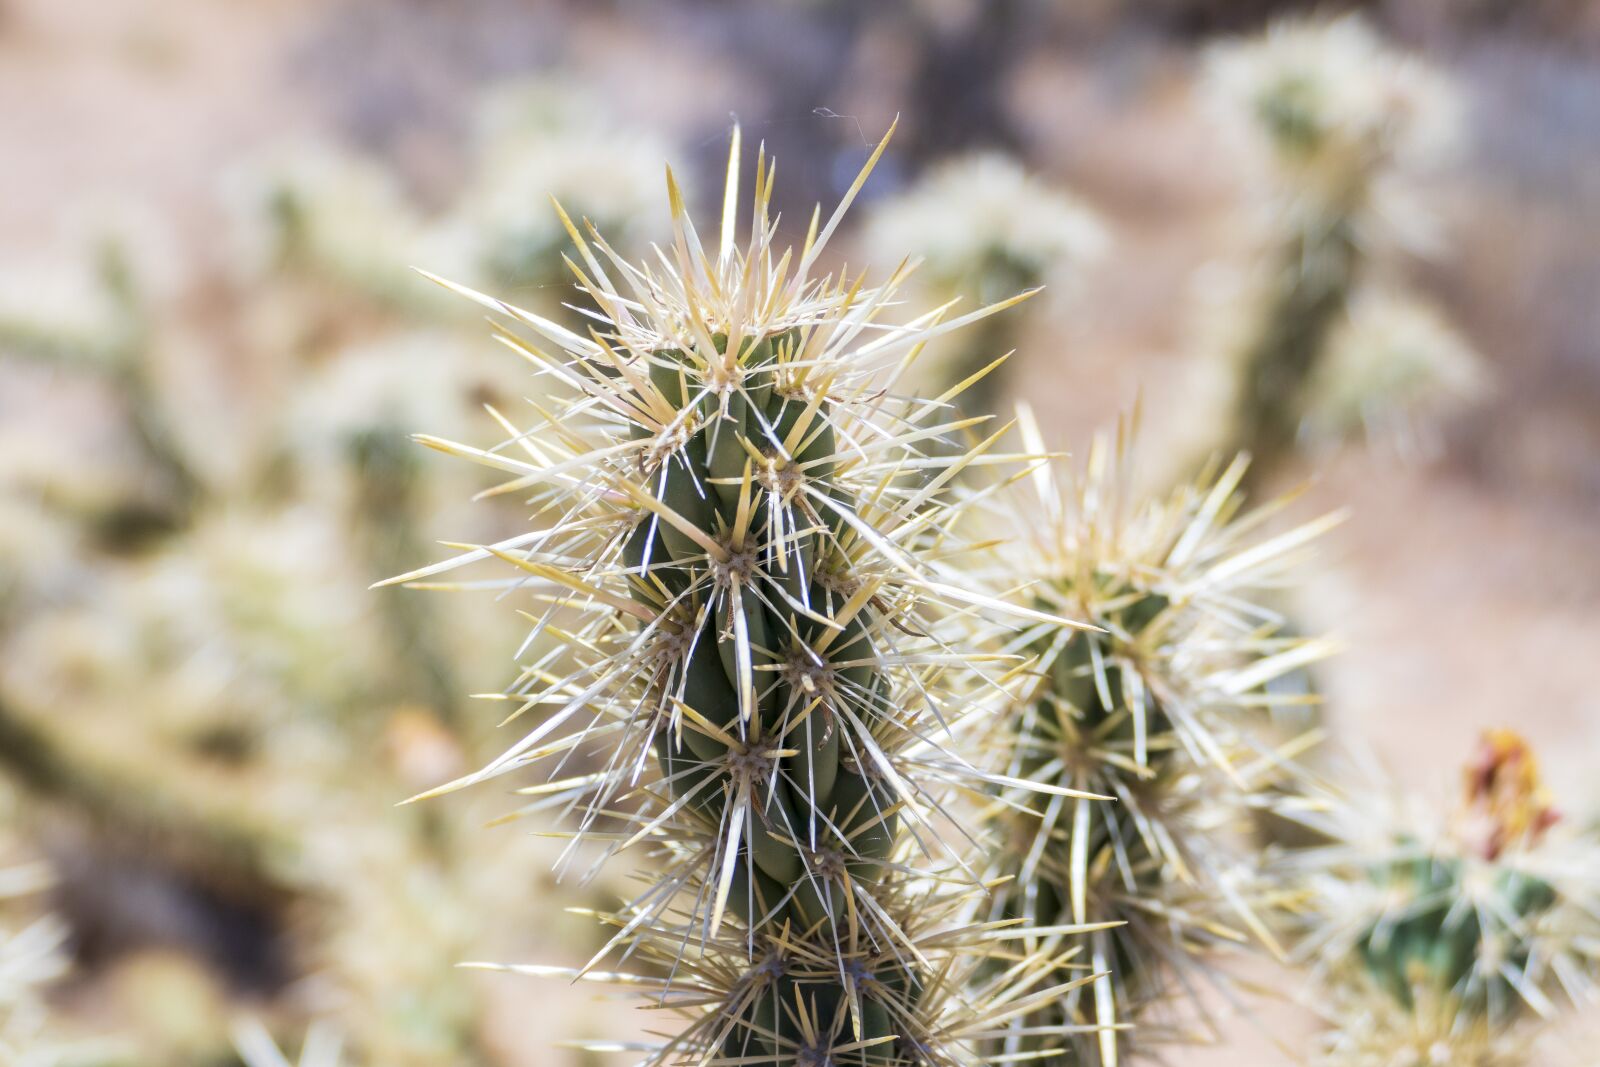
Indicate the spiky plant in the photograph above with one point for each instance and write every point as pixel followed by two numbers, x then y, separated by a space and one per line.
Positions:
pixel 544 138
pixel 340 220
pixel 1393 365
pixel 30 958
pixel 1162 707
pixel 98 316
pixel 1444 942
pixel 323 1047
pixel 983 228
pixel 1337 116
pixel 750 611
pixel 344 226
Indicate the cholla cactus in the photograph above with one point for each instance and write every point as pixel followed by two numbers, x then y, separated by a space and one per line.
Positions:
pixel 1443 944
pixel 323 213
pixel 753 610
pixel 348 432
pixel 1336 111
pixel 1392 365
pixel 984 228
pixel 323 1046
pixel 30 958
pixel 1339 117
pixel 536 141
pixel 62 312
pixel 96 314
pixel 1162 707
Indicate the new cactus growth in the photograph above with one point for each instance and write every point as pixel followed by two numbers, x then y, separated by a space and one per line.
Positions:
pixel 1160 707
pixel 755 623
pixel 1446 945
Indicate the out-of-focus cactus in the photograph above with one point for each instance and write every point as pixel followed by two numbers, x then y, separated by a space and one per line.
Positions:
pixel 329 215
pixel 1451 943
pixel 335 218
pixel 176 711
pixel 1164 708
pixel 122 267
pixel 1392 367
pixel 31 957
pixel 62 313
pixel 322 1047
pixel 1337 117
pixel 984 228
pixel 755 615
pixel 347 434
pixel 539 140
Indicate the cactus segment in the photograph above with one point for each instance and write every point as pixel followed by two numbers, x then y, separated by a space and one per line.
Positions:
pixel 1149 708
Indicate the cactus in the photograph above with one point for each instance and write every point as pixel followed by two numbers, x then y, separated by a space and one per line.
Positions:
pixel 31 956
pixel 104 324
pixel 1161 707
pixel 547 139
pixel 983 227
pixel 323 1046
pixel 342 221
pixel 1338 116
pixel 1450 943
pixel 1392 367
pixel 754 619
pixel 345 225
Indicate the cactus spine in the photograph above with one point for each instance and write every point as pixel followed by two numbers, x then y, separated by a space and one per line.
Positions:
pixel 1159 708
pixel 754 625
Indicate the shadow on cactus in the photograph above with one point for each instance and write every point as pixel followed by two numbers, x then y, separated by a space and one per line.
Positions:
pixel 1166 708
pixel 753 624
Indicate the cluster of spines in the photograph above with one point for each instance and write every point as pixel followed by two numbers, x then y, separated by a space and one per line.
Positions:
pixel 1461 936
pixel 1161 707
pixel 745 543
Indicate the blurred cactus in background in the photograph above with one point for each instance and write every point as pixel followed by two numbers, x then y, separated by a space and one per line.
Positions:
pixel 331 217
pixel 173 578
pixel 322 1047
pixel 982 229
pixel 536 141
pixel 1451 942
pixel 31 957
pixel 751 589
pixel 1393 367
pixel 92 313
pixel 322 213
pixel 1165 707
pixel 1338 123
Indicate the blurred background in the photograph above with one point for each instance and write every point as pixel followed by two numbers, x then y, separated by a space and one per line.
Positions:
pixel 1367 249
